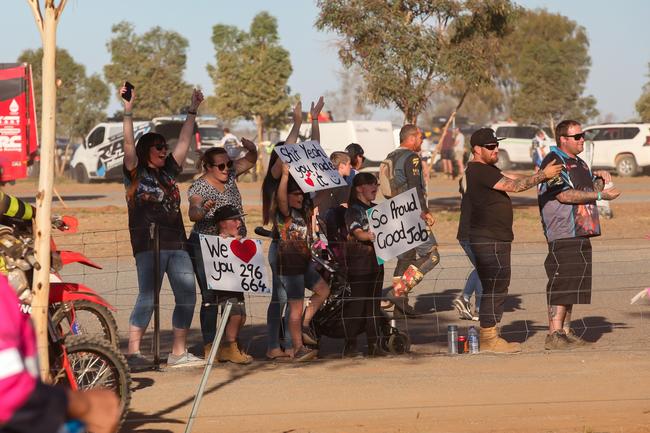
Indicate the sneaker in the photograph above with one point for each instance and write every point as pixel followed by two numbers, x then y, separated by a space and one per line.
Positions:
pixel 184 360
pixel 463 307
pixel 137 361
pixel 558 341
pixel 304 354
pixel 309 336
pixel 574 339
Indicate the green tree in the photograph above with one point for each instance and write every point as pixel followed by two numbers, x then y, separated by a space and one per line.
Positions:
pixel 251 74
pixel 643 103
pixel 81 100
pixel 548 64
pixel 154 63
pixel 408 49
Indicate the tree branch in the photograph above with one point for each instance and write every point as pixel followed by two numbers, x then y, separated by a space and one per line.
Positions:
pixel 36 11
pixel 59 9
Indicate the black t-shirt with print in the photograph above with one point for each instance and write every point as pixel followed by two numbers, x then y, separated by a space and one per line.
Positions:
pixel 360 258
pixel 294 233
pixel 491 209
pixel 153 196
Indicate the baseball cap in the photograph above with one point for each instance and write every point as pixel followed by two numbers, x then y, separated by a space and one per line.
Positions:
pixel 484 136
pixel 227 212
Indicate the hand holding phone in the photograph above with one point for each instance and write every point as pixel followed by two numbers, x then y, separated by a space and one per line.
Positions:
pixel 129 91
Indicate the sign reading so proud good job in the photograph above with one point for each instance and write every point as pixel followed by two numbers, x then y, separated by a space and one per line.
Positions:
pixel 234 265
pixel 397 225
pixel 310 166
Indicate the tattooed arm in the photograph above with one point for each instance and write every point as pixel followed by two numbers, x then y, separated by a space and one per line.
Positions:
pixel 573 196
pixel 520 184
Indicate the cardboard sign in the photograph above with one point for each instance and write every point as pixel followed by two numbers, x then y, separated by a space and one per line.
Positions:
pixel 397 225
pixel 234 265
pixel 310 166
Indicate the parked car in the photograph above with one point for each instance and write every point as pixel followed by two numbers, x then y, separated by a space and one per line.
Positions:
pixel 100 156
pixel 624 147
pixel 515 149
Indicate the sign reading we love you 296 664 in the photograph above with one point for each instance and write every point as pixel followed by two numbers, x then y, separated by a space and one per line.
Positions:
pixel 234 265
pixel 310 166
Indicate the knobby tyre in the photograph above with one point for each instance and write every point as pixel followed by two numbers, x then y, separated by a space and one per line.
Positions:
pixel 93 320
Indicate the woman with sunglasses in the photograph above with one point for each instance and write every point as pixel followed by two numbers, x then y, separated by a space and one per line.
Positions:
pixel 152 195
pixel 215 189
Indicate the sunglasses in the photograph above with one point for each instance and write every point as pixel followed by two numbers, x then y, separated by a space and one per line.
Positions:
pixel 576 137
pixel 161 146
pixel 491 146
pixel 223 165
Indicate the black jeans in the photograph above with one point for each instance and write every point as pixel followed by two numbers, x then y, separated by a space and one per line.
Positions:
pixel 362 311
pixel 493 266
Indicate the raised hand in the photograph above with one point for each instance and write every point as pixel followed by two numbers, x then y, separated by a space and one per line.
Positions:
pixel 248 145
pixel 297 113
pixel 316 109
pixel 128 105
pixel 197 98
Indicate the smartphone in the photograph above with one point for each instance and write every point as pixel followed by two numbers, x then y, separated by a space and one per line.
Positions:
pixel 127 95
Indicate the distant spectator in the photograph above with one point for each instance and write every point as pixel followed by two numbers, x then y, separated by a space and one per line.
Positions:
pixel 539 148
pixel 228 138
pixel 356 160
pixel 447 154
pixel 459 150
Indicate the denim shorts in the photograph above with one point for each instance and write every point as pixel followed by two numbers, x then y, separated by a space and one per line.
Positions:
pixel 294 285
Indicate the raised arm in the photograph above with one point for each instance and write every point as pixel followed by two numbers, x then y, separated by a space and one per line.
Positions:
pixel 185 137
pixel 130 157
pixel 199 208
pixel 523 183
pixel 292 138
pixel 282 194
pixel 315 112
pixel 244 164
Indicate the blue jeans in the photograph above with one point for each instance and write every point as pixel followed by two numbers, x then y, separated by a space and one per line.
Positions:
pixel 274 318
pixel 178 266
pixel 473 283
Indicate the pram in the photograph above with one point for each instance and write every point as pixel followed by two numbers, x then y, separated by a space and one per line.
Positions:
pixel 328 320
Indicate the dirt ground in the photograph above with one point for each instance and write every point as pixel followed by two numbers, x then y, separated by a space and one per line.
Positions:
pixel 602 388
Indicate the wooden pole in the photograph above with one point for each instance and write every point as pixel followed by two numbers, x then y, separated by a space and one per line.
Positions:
pixel 46 24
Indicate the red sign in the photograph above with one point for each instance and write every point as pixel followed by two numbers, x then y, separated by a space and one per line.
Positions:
pixel 18 139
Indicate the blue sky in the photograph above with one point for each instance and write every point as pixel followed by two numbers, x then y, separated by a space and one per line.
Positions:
pixel 618 31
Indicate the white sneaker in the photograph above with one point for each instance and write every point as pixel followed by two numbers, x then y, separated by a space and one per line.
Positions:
pixel 184 360
pixel 643 294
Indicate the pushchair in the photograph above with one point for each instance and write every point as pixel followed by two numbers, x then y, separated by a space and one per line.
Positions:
pixel 329 319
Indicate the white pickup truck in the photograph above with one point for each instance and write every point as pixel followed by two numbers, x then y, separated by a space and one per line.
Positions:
pixel 101 154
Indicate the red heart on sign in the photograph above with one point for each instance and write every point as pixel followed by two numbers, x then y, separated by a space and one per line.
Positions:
pixel 243 250
pixel 308 180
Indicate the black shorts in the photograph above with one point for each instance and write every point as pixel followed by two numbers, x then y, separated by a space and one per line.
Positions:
pixel 220 297
pixel 568 267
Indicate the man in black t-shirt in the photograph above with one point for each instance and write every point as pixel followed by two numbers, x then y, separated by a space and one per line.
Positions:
pixel 570 218
pixel 490 230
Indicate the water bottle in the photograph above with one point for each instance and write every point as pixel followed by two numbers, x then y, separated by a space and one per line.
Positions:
pixel 472 337
pixel 452 339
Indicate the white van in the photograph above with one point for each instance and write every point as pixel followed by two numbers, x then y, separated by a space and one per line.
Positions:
pixel 100 156
pixel 376 138
pixel 515 149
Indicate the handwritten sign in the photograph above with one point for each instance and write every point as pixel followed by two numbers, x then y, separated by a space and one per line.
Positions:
pixel 234 265
pixel 397 225
pixel 310 166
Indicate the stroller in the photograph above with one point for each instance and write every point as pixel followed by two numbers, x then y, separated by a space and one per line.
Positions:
pixel 328 320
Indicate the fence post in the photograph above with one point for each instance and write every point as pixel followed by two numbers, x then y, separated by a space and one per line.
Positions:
pixel 208 366
pixel 154 232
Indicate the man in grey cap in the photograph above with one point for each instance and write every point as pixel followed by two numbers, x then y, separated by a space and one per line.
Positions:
pixel 490 229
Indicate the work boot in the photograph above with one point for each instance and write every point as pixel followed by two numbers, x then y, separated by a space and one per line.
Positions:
pixel 575 339
pixel 206 350
pixel 558 340
pixel 229 352
pixel 491 342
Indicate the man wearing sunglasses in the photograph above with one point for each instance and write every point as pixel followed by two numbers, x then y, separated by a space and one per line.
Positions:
pixel 569 217
pixel 490 229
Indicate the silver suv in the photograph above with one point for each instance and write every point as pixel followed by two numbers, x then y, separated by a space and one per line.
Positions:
pixel 624 147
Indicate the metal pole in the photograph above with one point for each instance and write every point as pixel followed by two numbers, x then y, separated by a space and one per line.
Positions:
pixel 208 366
pixel 155 237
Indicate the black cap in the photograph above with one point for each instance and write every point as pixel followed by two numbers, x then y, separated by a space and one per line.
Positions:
pixel 354 149
pixel 227 212
pixel 484 136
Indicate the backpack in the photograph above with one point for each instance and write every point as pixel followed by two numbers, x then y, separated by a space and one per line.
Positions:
pixel 391 172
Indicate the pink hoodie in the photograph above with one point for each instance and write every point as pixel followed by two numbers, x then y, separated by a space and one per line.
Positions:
pixel 18 355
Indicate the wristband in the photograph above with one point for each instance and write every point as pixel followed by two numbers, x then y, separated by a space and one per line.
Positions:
pixel 128 114
pixel 191 112
pixel 598 197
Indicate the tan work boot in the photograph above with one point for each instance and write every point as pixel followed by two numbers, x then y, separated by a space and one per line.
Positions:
pixel 206 350
pixel 491 342
pixel 229 352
